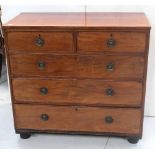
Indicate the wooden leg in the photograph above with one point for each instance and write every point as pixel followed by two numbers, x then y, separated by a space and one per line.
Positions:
pixel 25 135
pixel 133 140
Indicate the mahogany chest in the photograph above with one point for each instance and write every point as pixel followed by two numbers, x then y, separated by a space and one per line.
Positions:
pixel 81 73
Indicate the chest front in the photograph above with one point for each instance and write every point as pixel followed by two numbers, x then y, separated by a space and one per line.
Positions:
pixel 86 78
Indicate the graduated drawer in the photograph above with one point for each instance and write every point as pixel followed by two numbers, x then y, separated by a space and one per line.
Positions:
pixel 77 92
pixel 48 65
pixel 79 119
pixel 111 42
pixel 40 41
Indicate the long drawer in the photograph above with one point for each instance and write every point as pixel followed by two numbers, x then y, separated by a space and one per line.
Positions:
pixel 98 42
pixel 77 92
pixel 40 41
pixel 80 66
pixel 79 119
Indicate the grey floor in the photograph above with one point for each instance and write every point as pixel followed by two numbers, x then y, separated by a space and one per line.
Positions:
pixel 8 138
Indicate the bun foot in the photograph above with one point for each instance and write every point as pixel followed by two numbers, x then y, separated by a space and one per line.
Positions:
pixel 25 135
pixel 133 140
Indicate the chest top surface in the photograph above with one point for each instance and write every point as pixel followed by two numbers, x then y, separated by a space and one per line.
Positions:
pixel 85 20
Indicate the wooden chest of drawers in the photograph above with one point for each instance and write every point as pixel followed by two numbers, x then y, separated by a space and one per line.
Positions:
pixel 78 72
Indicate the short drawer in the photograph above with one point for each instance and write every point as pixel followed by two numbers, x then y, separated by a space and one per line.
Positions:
pixel 77 92
pixel 79 119
pixel 111 42
pixel 40 41
pixel 103 67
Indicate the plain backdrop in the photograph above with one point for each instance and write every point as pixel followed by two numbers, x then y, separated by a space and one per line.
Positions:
pixel 10 11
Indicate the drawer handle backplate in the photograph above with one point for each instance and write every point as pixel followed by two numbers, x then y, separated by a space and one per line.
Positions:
pixel 39 41
pixel 111 43
pixel 44 117
pixel 110 66
pixel 43 90
pixel 109 92
pixel 109 119
pixel 41 65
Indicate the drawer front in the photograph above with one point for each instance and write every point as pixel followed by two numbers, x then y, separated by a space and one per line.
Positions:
pixel 42 65
pixel 48 65
pixel 111 42
pixel 40 41
pixel 77 92
pixel 79 119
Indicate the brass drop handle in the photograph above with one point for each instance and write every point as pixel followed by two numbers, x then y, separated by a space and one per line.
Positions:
pixel 43 90
pixel 111 43
pixel 39 41
pixel 41 65
pixel 110 66
pixel 109 92
pixel 108 119
pixel 44 117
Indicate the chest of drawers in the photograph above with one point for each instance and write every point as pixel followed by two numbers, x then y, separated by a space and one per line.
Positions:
pixel 81 73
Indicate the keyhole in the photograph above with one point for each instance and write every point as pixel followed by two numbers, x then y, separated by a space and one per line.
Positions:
pixel 76 109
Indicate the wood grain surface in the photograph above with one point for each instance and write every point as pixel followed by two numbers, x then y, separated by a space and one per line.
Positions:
pixel 77 118
pixel 72 92
pixel 124 42
pixel 53 41
pixel 115 19
pixel 77 66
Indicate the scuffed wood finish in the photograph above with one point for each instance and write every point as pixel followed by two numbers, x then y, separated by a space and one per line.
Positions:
pixel 77 66
pixel 125 42
pixel 117 19
pixel 53 41
pixel 78 119
pixel 83 92
pixel 48 19
pixel 82 20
